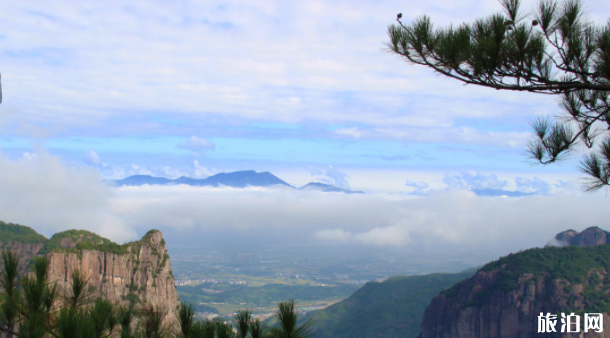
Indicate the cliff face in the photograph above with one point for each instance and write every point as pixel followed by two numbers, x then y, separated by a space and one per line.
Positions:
pixel 505 297
pixel 21 239
pixel 137 272
pixel 504 314
pixel 26 251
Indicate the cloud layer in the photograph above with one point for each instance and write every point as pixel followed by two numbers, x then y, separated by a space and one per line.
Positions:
pixel 42 192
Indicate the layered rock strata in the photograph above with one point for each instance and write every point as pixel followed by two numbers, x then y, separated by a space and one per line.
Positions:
pixel 141 274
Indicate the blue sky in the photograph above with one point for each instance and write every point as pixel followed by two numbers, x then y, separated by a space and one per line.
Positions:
pixel 305 90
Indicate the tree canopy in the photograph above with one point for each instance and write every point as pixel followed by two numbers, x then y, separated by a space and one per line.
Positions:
pixel 554 50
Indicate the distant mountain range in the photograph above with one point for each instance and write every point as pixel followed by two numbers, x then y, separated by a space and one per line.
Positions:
pixel 237 179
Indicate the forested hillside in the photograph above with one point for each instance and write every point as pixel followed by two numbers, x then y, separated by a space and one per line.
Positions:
pixel 393 308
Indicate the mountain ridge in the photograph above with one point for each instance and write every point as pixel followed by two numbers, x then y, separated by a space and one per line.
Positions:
pixel 236 179
pixel 392 308
pixel 505 297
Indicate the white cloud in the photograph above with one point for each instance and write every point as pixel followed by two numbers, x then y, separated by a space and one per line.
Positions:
pixel 473 180
pixel 395 235
pixel 334 177
pixel 41 192
pixel 535 185
pixel 196 145
pixel 38 190
pixel 200 171
pixel 92 158
pixel 456 218
pixel 419 186
pixel 188 59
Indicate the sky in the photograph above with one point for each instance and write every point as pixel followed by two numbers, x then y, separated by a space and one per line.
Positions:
pixel 306 90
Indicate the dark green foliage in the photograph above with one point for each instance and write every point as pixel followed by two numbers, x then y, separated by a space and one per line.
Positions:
pixel 186 320
pixel 287 326
pixel 243 319
pixel 11 232
pixel 38 294
pixel 79 294
pixel 85 240
pixel 393 308
pixel 258 329
pixel 207 329
pixel 133 287
pixel 125 318
pixel 223 330
pixel 112 248
pixel 571 263
pixel 243 325
pixel 568 265
pixel 10 280
pixel 132 298
pixel 558 51
pixel 95 322
pixel 152 322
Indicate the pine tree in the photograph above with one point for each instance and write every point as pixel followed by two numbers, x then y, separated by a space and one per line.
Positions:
pixel 555 50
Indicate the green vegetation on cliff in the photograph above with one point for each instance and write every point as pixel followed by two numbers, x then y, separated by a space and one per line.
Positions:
pixel 11 232
pixel 570 263
pixel 569 266
pixel 82 240
pixel 393 308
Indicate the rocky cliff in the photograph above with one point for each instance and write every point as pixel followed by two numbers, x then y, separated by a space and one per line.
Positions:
pixel 505 297
pixel 21 239
pixel 137 272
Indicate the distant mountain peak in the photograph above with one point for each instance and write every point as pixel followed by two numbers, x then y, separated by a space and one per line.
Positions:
pixel 591 236
pixel 236 179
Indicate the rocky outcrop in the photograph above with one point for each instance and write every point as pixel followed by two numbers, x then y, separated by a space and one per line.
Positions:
pixel 22 240
pixel 502 314
pixel 505 298
pixel 592 236
pixel 25 251
pixel 138 272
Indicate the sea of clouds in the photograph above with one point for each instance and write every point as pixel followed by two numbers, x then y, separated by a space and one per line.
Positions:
pixel 40 191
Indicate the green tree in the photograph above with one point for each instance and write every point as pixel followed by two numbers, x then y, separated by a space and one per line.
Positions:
pixel 287 326
pixel 243 320
pixel 258 329
pixel 556 51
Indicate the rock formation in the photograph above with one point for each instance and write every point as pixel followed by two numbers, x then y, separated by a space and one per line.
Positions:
pixel 137 272
pixel 505 298
pixel 589 237
pixel 26 251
